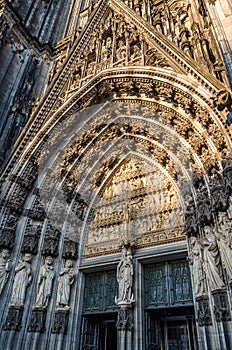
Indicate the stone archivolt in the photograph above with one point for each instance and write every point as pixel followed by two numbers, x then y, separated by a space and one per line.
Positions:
pixel 167 100
pixel 146 134
pixel 134 20
pixel 99 186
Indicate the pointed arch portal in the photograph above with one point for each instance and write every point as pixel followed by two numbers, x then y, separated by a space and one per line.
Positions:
pixel 130 163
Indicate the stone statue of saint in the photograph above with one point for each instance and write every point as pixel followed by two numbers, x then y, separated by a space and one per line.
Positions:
pixel 195 259
pixel 4 268
pixel 225 244
pixel 44 285
pixel 66 279
pixel 23 277
pixel 212 260
pixel 124 278
pixel 121 51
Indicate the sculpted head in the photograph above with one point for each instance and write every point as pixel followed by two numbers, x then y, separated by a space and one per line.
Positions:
pixel 69 263
pixel 108 42
pixel 208 230
pixel 27 257
pixel 124 252
pixel 120 43
pixel 192 240
pixel 49 260
pixel 5 254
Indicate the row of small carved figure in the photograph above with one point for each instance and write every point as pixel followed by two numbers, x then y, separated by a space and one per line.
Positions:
pixel 23 277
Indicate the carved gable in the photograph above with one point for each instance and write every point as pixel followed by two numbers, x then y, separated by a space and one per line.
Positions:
pixel 120 35
pixel 115 43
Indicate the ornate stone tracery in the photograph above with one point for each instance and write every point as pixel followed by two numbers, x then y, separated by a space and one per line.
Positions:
pixel 126 148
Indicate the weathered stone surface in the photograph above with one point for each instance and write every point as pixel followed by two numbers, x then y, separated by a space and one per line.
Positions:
pixel 14 318
pixel 60 323
pixel 122 115
pixel 37 321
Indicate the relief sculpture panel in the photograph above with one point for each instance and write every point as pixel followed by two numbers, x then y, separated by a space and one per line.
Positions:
pixel 138 203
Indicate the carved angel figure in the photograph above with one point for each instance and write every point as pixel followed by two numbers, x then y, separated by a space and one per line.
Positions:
pixel 44 285
pixel 66 279
pixel 4 268
pixel 23 277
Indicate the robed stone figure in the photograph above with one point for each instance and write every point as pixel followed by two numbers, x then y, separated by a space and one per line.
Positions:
pixel 196 260
pixel 4 268
pixel 66 279
pixel 125 278
pixel 224 241
pixel 23 276
pixel 212 260
pixel 44 285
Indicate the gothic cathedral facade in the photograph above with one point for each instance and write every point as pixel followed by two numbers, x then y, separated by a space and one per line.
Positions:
pixel 116 174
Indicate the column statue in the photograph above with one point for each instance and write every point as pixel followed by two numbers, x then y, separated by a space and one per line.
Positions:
pixel 195 259
pixel 125 278
pixel 23 277
pixel 121 51
pixel 4 268
pixel 225 244
pixel 66 279
pixel 212 260
pixel 44 285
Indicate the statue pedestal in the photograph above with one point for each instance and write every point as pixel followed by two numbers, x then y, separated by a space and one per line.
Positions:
pixel 14 318
pixel 204 316
pixel 38 320
pixel 125 326
pixel 60 323
pixel 221 305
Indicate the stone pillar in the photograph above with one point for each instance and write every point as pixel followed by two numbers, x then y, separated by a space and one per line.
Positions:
pixel 125 300
pixel 125 326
